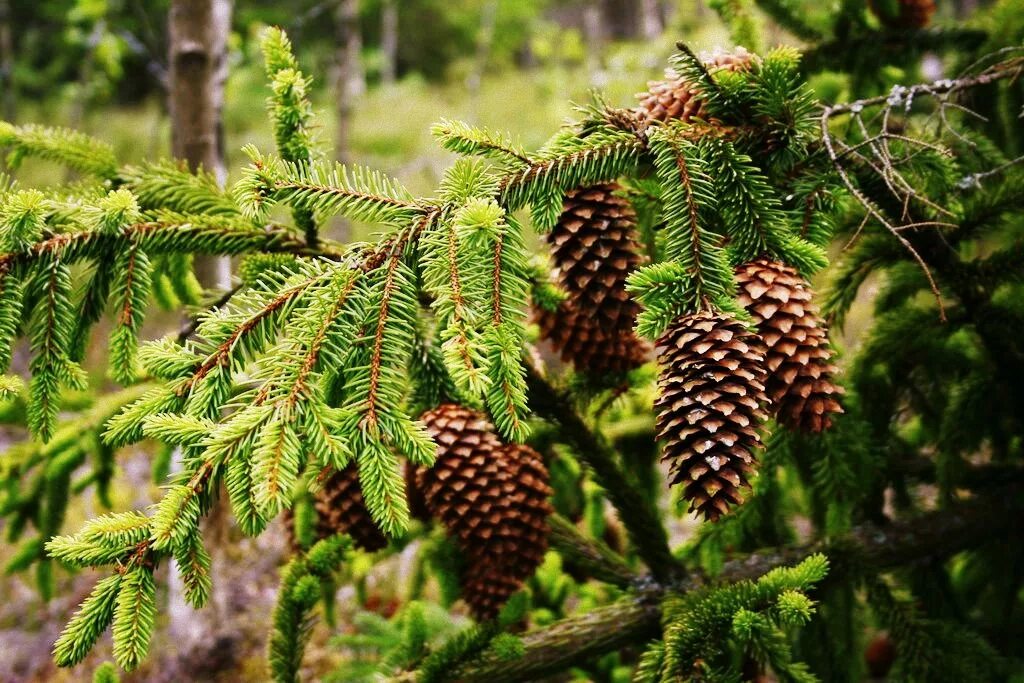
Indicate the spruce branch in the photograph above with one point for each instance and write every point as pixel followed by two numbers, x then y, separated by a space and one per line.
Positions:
pixel 71 148
pixel 866 551
pixel 465 140
pixel 642 522
pixel 592 556
pixel 880 158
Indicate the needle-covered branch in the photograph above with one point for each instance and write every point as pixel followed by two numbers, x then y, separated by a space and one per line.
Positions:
pixel 865 551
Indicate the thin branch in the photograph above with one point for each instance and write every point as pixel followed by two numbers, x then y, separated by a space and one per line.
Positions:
pixel 865 550
pixel 592 556
pixel 638 515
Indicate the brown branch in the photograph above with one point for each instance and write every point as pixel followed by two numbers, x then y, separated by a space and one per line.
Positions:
pixel 638 515
pixel 866 550
pixel 591 556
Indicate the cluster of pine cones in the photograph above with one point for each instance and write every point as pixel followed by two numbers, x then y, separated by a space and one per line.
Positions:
pixel 491 497
pixel 717 383
pixel 718 379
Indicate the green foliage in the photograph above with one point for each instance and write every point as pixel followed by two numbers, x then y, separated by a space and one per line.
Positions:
pixel 698 626
pixel 71 148
pixel 299 591
pixel 324 355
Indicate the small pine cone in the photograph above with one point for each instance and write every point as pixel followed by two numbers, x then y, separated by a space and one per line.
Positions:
pixel 798 358
pixel 594 248
pixel 340 509
pixel 677 98
pixel 911 14
pixel 710 406
pixel 493 500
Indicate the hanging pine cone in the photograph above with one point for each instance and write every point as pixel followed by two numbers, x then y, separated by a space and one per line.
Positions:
pixel 677 98
pixel 486 587
pixel 493 500
pixel 340 509
pixel 798 356
pixel 903 14
pixel 710 407
pixel 413 495
pixel 594 248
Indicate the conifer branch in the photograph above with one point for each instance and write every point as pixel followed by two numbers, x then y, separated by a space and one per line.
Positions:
pixel 594 557
pixel 642 522
pixel 866 551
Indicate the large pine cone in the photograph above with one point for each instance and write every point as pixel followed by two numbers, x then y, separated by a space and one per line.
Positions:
pixel 594 247
pixel 910 14
pixel 798 357
pixel 677 98
pixel 340 508
pixel 710 406
pixel 493 500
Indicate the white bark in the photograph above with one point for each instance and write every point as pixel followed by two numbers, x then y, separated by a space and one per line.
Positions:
pixel 197 39
pixel 350 81
pixel 389 41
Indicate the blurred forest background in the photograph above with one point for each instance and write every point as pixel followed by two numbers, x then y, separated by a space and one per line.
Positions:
pixel 387 70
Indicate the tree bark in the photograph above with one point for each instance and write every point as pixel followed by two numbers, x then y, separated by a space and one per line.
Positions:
pixel 484 40
pixel 7 100
pixel 350 83
pixel 389 41
pixel 593 37
pixel 198 32
pixel 197 59
pixel 650 19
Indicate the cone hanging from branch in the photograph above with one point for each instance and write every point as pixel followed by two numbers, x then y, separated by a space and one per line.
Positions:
pixel 710 407
pixel 492 499
pixel 676 97
pixel 594 248
pixel 799 385
pixel 340 508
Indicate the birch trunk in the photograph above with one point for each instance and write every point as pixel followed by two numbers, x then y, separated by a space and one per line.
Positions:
pixel 389 41
pixel 7 103
pixel 197 38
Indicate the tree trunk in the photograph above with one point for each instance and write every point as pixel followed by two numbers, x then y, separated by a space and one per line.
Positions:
pixel 484 40
pixel 651 24
pixel 198 32
pixel 350 81
pixel 593 36
pixel 7 102
pixel 197 58
pixel 389 41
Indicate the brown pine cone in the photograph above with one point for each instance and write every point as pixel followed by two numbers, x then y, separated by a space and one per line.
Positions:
pixel 413 495
pixel 340 509
pixel 492 499
pixel 910 14
pixel 798 358
pixel 594 248
pixel 677 98
pixel 486 587
pixel 710 406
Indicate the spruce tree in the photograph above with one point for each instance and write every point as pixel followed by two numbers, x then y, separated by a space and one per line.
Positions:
pixel 404 369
